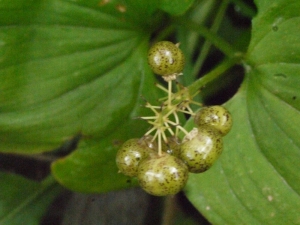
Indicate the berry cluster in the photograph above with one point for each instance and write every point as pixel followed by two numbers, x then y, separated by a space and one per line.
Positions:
pixel 160 160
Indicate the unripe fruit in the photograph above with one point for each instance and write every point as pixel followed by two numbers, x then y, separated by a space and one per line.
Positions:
pixel 202 150
pixel 173 146
pixel 162 175
pixel 214 116
pixel 165 58
pixel 131 153
pixel 147 141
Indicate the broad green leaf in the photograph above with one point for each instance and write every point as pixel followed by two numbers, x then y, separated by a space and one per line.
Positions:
pixel 256 180
pixel 111 119
pixel 23 201
pixel 75 67
pixel 139 13
pixel 68 67
pixel 92 167
pixel 175 7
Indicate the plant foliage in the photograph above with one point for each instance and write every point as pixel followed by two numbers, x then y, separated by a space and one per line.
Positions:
pixel 78 69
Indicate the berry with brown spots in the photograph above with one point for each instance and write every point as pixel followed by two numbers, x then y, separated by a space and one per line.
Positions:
pixel 214 116
pixel 162 175
pixel 202 150
pixel 172 146
pixel 165 58
pixel 131 153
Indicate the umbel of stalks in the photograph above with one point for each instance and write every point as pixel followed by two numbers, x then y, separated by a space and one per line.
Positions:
pixel 159 160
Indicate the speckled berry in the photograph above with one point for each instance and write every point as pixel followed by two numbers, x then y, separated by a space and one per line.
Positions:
pixel 131 153
pixel 148 142
pixel 173 146
pixel 165 58
pixel 162 175
pixel 215 116
pixel 202 150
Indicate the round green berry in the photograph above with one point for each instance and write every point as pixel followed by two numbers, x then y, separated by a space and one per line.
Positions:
pixel 165 58
pixel 131 153
pixel 214 116
pixel 172 146
pixel 162 175
pixel 147 141
pixel 202 150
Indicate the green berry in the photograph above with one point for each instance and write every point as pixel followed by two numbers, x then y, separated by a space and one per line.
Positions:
pixel 147 141
pixel 162 175
pixel 131 153
pixel 173 146
pixel 214 116
pixel 202 150
pixel 165 58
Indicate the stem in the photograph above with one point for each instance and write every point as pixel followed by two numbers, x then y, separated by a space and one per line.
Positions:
pixel 207 44
pixel 159 143
pixel 170 210
pixel 149 106
pixel 169 93
pixel 177 122
pixel 169 129
pixel 182 129
pixel 150 131
pixel 164 136
pixel 218 42
pixel 148 117
pixel 215 73
pixel 161 87
pixel 194 88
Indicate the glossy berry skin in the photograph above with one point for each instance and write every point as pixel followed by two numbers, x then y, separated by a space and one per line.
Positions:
pixel 214 116
pixel 173 147
pixel 165 58
pixel 162 175
pixel 202 150
pixel 131 153
pixel 147 142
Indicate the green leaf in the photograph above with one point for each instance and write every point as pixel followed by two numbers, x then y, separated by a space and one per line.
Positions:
pixel 67 68
pixel 175 7
pixel 256 179
pixel 115 104
pixel 92 167
pixel 75 67
pixel 23 201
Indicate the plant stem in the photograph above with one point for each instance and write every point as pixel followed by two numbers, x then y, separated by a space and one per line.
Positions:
pixel 218 42
pixel 169 93
pixel 207 44
pixel 201 82
pixel 170 210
